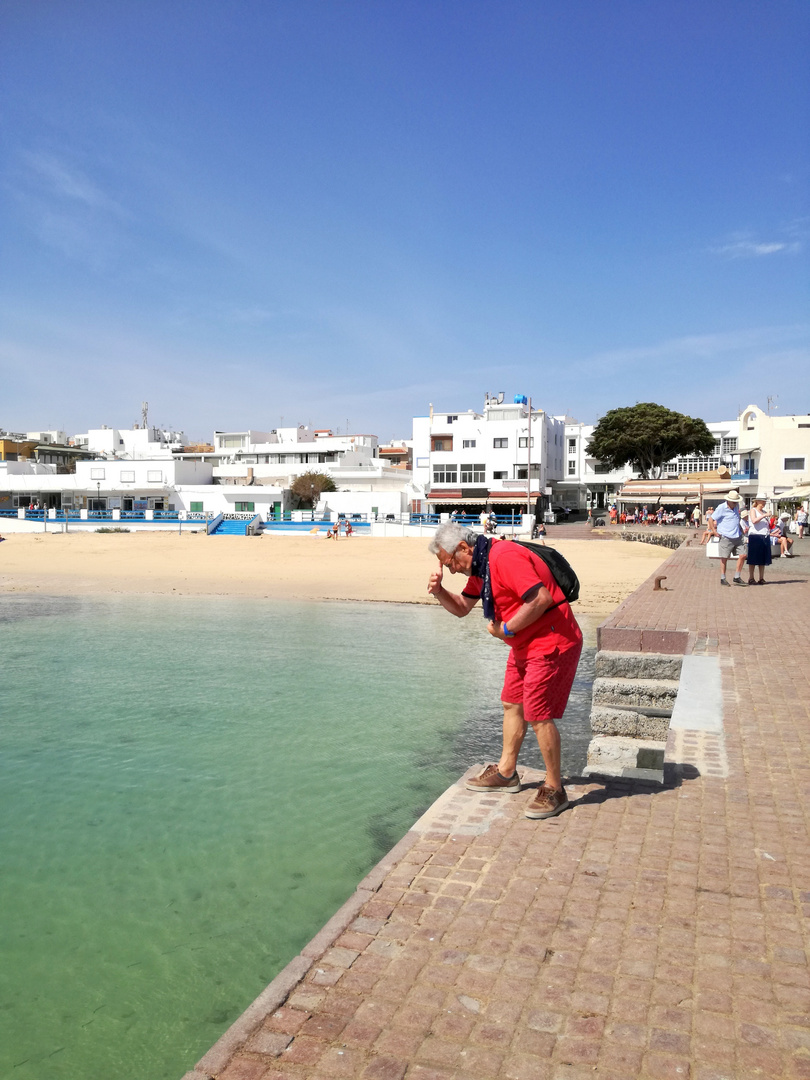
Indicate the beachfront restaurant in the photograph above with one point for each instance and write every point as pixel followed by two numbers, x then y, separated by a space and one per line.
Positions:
pixel 680 494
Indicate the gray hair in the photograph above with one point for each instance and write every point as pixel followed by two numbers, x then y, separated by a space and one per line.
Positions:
pixel 449 535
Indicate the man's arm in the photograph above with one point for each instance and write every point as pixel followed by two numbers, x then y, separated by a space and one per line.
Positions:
pixel 532 610
pixel 455 603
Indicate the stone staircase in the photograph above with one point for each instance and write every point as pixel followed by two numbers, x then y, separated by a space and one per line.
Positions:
pixel 634 695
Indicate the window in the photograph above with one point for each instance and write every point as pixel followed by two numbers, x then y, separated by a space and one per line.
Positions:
pixel 572 468
pixel 600 467
pixel 196 507
pixel 154 476
pixel 468 444
pixel 572 446
pixel 445 474
pixel 521 472
pixel 729 445
pixel 439 443
pixel 499 476
pixel 473 474
pixel 450 419
pixel 96 474
pixel 127 476
pixel 524 441
pixel 231 442
pixel 794 464
pixel 245 507
pixel 500 444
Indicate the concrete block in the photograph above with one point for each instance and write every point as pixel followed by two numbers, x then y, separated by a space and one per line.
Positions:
pixel 610 756
pixel 627 665
pixel 659 694
pixel 633 723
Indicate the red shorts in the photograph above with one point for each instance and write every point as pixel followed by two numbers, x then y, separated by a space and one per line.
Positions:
pixel 542 684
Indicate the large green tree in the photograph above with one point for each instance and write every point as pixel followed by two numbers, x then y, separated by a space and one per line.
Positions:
pixel 308 487
pixel 647 435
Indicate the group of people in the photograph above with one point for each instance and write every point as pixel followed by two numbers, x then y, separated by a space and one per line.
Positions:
pixel 341 523
pixel 748 535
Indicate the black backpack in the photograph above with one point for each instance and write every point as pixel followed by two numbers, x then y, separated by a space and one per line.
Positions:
pixel 561 569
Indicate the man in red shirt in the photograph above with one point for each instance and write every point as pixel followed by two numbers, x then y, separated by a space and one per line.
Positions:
pixel 526 609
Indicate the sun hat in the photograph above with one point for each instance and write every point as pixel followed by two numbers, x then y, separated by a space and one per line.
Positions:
pixel 734 496
pixel 784 517
pixel 743 513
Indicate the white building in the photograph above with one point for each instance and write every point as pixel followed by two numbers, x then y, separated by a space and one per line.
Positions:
pixel 773 453
pixel 132 443
pixel 503 458
pixel 589 484
pixel 133 486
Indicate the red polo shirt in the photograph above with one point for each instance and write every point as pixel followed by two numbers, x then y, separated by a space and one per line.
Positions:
pixel 515 573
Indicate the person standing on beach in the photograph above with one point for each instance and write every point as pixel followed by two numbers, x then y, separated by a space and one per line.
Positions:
pixel 725 523
pixel 527 610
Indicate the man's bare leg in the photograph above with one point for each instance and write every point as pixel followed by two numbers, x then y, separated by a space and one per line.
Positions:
pixel 514 731
pixel 548 739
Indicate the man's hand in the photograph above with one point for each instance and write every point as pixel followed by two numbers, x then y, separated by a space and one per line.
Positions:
pixel 496 629
pixel 435 583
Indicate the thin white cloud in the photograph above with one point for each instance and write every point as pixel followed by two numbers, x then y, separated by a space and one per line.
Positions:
pixel 744 245
pixel 57 178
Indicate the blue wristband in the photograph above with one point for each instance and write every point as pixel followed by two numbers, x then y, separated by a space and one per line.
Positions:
pixel 506 631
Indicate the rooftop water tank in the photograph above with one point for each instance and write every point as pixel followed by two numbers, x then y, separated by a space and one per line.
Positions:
pixel 520 399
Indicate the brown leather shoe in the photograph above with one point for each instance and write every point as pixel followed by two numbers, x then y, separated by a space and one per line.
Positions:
pixel 491 780
pixel 547 802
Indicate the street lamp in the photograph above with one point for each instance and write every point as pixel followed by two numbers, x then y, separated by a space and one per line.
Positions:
pixel 312 499
pixel 98 496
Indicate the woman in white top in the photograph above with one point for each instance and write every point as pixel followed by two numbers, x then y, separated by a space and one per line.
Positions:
pixel 759 541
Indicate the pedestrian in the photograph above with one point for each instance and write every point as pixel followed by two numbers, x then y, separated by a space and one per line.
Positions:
pixel 759 541
pixel 527 610
pixel 707 532
pixel 725 523
pixel 801 521
pixel 783 536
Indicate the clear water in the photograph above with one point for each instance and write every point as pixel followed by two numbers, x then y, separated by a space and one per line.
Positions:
pixel 190 788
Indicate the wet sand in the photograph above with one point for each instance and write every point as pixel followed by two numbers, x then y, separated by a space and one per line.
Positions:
pixel 303 568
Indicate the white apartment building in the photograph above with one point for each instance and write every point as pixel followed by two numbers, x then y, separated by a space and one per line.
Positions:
pixel 133 443
pixel 588 484
pixel 773 453
pixel 133 486
pixel 503 458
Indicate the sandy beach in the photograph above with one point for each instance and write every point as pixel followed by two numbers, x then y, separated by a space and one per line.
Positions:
pixel 284 567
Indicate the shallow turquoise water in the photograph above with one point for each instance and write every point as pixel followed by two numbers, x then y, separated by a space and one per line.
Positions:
pixel 189 788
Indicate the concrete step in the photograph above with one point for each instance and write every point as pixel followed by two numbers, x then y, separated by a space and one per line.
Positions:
pixel 608 756
pixel 656 696
pixel 629 665
pixel 632 723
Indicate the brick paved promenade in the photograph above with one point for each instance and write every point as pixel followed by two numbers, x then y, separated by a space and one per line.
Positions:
pixel 648 932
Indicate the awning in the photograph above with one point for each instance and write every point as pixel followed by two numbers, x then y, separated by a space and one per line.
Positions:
pixel 675 493
pixel 801 491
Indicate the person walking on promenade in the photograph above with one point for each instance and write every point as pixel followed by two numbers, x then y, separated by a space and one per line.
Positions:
pixel 801 521
pixel 725 523
pixel 527 610
pixel 759 541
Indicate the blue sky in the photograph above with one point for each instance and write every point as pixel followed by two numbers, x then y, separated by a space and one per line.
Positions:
pixel 339 212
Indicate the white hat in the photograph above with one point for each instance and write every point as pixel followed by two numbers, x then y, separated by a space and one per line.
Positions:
pixel 734 496
pixel 784 517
